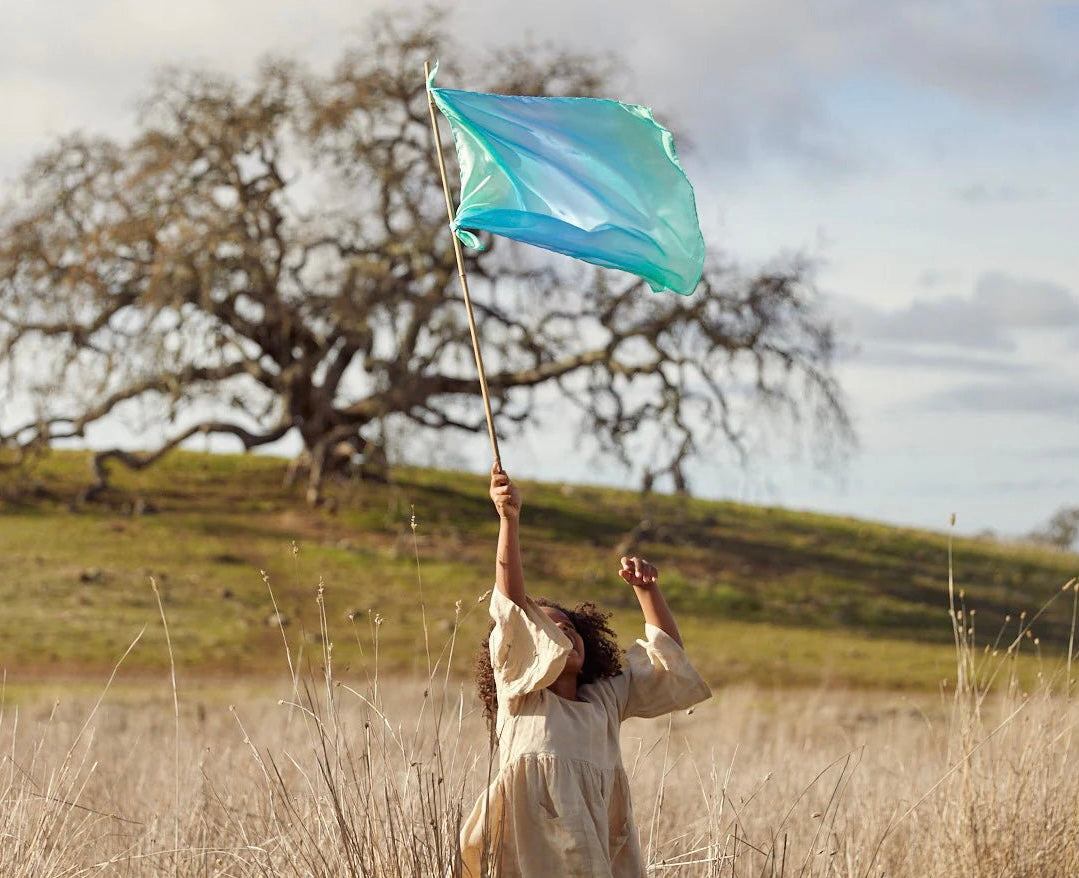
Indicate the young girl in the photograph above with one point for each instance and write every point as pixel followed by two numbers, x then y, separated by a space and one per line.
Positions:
pixel 555 691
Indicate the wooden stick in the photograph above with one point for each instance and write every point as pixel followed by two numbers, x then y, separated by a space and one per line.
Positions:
pixel 461 275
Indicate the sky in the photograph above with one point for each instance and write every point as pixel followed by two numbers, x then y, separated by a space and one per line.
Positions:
pixel 924 153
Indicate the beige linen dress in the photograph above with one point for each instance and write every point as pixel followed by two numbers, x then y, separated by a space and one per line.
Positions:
pixel 559 805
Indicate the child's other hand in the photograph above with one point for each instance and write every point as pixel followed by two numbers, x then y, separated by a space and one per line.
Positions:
pixel 639 573
pixel 504 495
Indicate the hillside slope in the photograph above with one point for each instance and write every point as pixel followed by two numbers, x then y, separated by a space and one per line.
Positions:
pixel 771 595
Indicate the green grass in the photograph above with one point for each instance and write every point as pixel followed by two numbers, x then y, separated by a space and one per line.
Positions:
pixel 768 595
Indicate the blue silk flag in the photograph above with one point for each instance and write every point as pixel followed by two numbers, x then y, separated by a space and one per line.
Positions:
pixel 595 179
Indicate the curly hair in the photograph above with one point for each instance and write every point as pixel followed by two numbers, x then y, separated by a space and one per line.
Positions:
pixel 602 656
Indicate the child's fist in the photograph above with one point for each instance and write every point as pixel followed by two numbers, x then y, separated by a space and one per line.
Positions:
pixel 639 573
pixel 504 494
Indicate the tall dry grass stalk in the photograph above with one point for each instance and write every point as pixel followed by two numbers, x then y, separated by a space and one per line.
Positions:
pixel 359 775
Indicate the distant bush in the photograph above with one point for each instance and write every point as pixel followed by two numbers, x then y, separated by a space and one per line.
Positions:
pixel 1061 530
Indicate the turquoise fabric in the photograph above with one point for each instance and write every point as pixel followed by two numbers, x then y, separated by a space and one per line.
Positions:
pixel 595 179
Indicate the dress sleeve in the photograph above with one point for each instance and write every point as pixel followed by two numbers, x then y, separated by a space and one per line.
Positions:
pixel 528 651
pixel 658 677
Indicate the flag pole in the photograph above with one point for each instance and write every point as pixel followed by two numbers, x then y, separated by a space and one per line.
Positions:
pixel 461 274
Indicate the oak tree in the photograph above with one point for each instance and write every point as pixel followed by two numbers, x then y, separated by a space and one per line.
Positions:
pixel 272 255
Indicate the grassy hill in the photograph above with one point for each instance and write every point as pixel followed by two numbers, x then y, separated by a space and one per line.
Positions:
pixel 779 597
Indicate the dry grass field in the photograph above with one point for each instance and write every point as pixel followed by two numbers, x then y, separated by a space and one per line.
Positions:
pixel 246 733
pixel 317 775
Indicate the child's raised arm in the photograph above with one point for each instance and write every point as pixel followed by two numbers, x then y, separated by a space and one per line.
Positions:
pixel 509 575
pixel 644 577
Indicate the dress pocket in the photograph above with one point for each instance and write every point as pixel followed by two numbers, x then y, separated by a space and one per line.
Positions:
pixel 555 802
pixel 618 839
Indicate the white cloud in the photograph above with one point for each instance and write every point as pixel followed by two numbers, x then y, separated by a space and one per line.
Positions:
pixel 1003 53
pixel 1047 396
pixel 985 193
pixel 85 67
pixel 895 357
pixel 745 78
pixel 1025 303
pixel 1000 306
pixel 1060 452
pixel 935 277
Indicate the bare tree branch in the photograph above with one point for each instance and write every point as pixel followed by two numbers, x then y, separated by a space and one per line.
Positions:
pixel 279 249
pixel 141 460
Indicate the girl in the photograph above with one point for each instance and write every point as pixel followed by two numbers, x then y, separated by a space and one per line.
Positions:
pixel 555 694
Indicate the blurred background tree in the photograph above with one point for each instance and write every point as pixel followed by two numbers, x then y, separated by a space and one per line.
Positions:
pixel 272 256
pixel 1061 530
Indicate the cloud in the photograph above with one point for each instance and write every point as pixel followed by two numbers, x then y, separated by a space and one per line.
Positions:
pixel 1005 54
pixel 952 321
pixel 746 79
pixel 893 356
pixel 948 321
pixel 983 193
pixel 933 277
pixel 1049 397
pixel 1059 452
pixel 59 75
pixel 999 306
pixel 748 82
pixel 1026 303
pixel 1017 486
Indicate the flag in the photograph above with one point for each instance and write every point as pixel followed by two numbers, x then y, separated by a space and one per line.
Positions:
pixel 595 179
